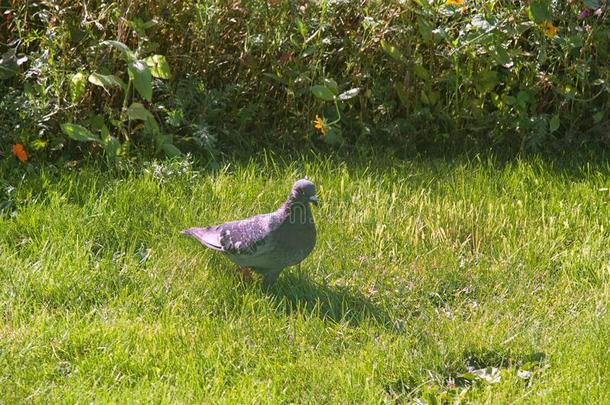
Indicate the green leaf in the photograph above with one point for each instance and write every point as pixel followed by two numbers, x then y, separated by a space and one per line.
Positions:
pixel 97 122
pixel 425 30
pixel 486 81
pixel 423 96
pixel 124 49
pixel 540 10
pixel 140 74
pixel 170 150
pixel 598 116
pixel 429 97
pixel 433 97
pixel 524 97
pixel 151 127
pixel 77 85
pixel 334 136
pixel 421 72
pixel 38 144
pixel 8 64
pixel 480 22
pixel 351 93
pixel 425 4
pixel 106 81
pixel 468 376
pixel 302 28
pixel 402 94
pixel 598 82
pixel 112 146
pixel 332 85
pixel 501 56
pixel 159 67
pixel 392 51
pixel 554 123
pixel 310 50
pixel 137 111
pixel 322 92
pixel 140 26
pixel 78 133
pixel 592 4
pixel 276 78
pixel 6 73
pixel 510 100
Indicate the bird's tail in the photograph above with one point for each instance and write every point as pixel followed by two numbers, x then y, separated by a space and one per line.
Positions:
pixel 209 237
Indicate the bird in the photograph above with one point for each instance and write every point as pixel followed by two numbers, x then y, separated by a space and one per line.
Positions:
pixel 267 243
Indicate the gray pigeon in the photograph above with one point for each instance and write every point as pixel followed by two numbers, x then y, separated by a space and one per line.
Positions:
pixel 267 243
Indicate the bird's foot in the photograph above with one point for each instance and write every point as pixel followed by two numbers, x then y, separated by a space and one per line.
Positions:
pixel 246 273
pixel 270 278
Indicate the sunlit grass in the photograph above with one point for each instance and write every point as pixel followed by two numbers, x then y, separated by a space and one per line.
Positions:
pixel 424 272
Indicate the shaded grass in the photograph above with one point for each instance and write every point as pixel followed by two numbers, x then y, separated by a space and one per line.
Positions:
pixel 423 271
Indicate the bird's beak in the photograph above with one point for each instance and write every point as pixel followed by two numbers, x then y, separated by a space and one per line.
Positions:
pixel 314 200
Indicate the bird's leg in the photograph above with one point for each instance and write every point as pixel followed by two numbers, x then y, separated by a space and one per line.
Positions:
pixel 270 277
pixel 246 273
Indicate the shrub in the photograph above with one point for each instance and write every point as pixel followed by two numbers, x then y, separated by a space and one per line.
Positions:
pixel 395 73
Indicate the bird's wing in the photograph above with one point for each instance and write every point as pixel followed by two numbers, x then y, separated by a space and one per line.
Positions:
pixel 249 237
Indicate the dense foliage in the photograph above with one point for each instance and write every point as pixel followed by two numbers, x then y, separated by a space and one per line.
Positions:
pixel 132 78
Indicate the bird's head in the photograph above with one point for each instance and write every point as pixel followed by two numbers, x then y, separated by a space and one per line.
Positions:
pixel 304 191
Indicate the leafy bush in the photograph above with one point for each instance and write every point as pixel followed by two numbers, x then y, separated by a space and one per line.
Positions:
pixel 401 74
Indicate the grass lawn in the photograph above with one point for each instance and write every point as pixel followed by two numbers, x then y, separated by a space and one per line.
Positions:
pixel 477 279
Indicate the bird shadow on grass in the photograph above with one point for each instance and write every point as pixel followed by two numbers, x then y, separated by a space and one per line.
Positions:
pixel 298 294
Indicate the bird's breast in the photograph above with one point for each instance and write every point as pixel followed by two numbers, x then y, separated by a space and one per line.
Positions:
pixel 296 241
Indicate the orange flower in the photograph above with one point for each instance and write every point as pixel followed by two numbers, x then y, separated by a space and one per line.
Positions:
pixel 18 151
pixel 454 2
pixel 549 29
pixel 321 125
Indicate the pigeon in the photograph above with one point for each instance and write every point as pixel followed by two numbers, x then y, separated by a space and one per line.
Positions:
pixel 270 242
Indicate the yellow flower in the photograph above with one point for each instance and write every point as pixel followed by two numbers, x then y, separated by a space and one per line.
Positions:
pixel 320 124
pixel 454 2
pixel 549 29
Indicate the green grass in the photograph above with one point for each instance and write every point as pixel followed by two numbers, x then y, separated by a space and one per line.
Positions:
pixel 422 269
